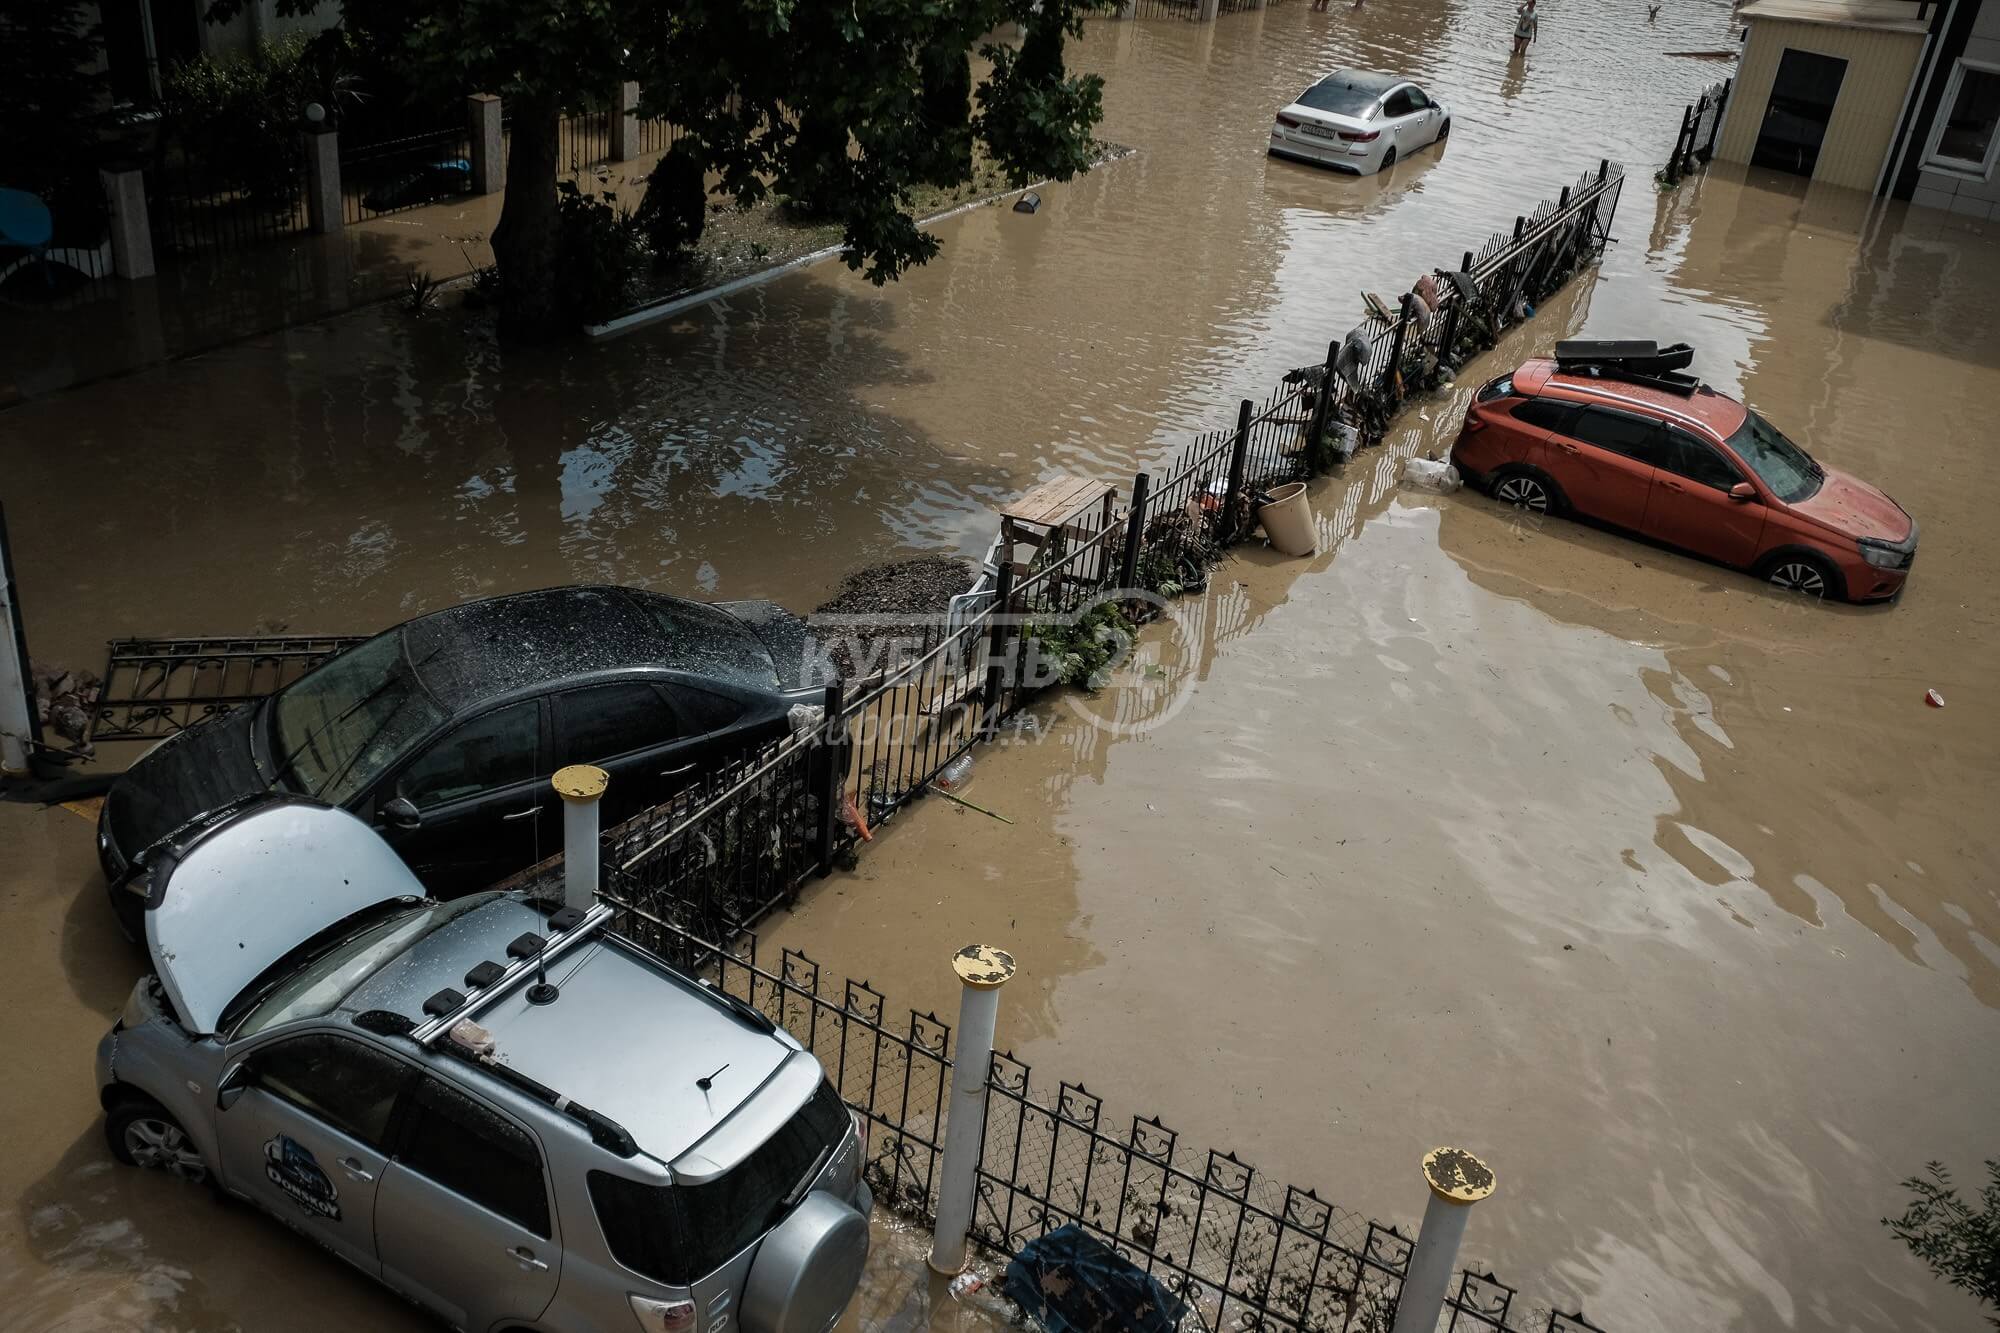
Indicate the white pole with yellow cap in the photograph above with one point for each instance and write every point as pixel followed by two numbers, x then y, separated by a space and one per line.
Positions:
pixel 982 971
pixel 581 786
pixel 1457 1180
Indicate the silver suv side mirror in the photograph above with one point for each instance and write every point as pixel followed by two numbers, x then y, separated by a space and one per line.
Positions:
pixel 234 1079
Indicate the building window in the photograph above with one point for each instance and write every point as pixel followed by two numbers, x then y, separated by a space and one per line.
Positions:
pixel 1964 137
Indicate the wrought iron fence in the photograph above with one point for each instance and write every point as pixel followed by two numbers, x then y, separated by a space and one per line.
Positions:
pixel 717 859
pixel 583 139
pixel 894 1073
pixel 197 203
pixel 157 687
pixel 658 136
pixel 1694 142
pixel 394 174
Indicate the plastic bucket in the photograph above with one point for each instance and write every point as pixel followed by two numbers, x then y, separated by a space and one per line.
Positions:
pixel 1288 520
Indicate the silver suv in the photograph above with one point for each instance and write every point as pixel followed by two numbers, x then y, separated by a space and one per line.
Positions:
pixel 512 1116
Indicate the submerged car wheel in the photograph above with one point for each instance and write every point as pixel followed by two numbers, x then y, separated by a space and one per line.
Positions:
pixel 141 1133
pixel 1388 159
pixel 1444 131
pixel 1801 574
pixel 1525 490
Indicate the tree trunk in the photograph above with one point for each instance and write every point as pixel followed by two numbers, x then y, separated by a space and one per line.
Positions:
pixel 524 243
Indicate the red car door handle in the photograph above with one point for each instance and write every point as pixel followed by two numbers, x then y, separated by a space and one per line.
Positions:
pixel 1566 448
pixel 1673 486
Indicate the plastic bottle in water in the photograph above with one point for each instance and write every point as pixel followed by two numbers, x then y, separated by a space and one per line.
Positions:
pixel 965 1284
pixel 956 774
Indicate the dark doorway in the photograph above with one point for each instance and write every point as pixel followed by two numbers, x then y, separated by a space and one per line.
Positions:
pixel 1802 98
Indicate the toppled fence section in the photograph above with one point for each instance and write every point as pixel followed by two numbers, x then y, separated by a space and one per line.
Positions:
pixel 1694 143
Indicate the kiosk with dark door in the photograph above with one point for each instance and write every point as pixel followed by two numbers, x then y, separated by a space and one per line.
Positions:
pixel 1802 98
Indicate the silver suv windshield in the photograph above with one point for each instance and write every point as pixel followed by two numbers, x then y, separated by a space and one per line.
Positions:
pixel 332 971
pixel 337 729
pixel 1788 470
pixel 677 1234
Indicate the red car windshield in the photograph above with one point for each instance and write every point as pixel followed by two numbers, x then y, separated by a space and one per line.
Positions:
pixel 1788 470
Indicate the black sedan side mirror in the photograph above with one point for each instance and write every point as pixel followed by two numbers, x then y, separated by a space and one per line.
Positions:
pixel 1742 492
pixel 236 1078
pixel 401 813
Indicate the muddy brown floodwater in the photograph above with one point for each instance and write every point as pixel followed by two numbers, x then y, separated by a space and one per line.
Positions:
pixel 1664 894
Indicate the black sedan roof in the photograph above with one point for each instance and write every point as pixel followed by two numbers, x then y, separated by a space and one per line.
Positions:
pixel 466 655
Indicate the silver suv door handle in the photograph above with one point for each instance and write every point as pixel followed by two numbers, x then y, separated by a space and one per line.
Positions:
pixel 525 1257
pixel 352 1166
pixel 529 813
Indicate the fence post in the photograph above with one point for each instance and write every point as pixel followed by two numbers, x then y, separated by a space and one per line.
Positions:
pixel 1447 345
pixel 131 232
pixel 982 971
pixel 1715 126
pixel 625 123
pixel 20 729
pixel 1323 409
pixel 323 211
pixel 1130 9
pixel 489 164
pixel 833 780
pixel 1239 456
pixel 1207 10
pixel 581 786
pixel 1677 164
pixel 1396 348
pixel 1603 168
pixel 996 644
pixel 1135 532
pixel 1457 1180
pixel 1520 225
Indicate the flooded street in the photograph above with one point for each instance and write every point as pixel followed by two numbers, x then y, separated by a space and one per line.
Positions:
pixel 1664 893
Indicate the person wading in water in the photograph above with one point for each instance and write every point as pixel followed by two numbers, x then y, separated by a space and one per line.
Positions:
pixel 1526 27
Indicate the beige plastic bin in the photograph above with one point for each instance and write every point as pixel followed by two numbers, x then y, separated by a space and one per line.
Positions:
pixel 1288 520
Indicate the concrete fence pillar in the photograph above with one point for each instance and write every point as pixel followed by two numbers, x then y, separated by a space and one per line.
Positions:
pixel 131 233
pixel 581 787
pixel 625 123
pixel 1208 10
pixel 1129 9
pixel 982 971
pixel 1457 1180
pixel 489 163
pixel 323 211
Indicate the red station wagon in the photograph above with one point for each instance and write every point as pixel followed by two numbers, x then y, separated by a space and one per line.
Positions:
pixel 1610 432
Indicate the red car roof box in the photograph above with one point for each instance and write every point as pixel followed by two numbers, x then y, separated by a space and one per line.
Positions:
pixel 1638 356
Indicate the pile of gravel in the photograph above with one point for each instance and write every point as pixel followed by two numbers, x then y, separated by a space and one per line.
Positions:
pixel 903 599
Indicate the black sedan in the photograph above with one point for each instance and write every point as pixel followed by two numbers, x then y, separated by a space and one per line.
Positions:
pixel 444 731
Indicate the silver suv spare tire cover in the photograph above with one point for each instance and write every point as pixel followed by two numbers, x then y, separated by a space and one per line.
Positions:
pixel 807 1269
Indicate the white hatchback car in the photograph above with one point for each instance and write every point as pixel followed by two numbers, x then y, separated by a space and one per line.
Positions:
pixel 1358 122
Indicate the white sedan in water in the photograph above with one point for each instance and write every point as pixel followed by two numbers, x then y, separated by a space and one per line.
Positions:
pixel 1359 122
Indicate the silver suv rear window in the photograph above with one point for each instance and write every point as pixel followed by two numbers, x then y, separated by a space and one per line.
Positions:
pixel 681 1233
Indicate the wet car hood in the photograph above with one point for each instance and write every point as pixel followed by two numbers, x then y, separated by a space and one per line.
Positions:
pixel 1850 505
pixel 200 769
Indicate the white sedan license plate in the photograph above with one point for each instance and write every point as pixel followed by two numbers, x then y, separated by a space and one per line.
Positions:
pixel 1318 131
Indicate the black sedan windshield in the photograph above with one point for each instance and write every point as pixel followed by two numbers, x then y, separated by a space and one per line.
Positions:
pixel 1787 469
pixel 336 730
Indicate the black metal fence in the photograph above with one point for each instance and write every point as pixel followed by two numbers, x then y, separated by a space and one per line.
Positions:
pixel 739 846
pixel 1242 1249
pixel 583 140
pixel 1694 143
pixel 157 687
pixel 390 175
pixel 197 203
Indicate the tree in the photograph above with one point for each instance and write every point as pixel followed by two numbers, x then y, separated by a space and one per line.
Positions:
pixel 1961 1246
pixel 48 90
pixel 845 107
